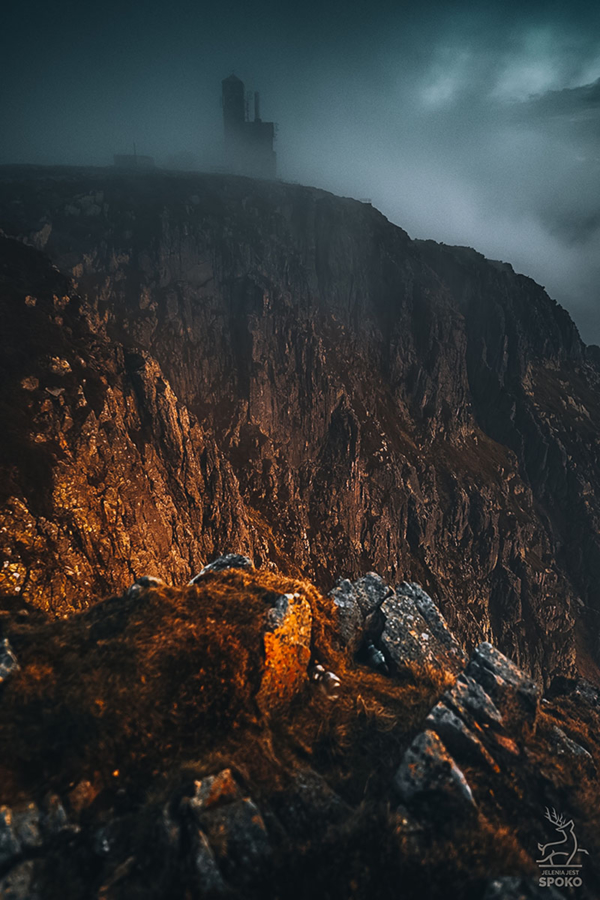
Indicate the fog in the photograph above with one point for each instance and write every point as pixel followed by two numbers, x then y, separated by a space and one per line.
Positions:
pixel 468 123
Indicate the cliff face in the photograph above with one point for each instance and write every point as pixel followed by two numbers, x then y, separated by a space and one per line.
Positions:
pixel 235 365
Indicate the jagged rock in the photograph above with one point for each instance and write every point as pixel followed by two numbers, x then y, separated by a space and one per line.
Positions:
pixel 472 703
pixel 8 660
pixel 229 832
pixel 415 632
pixel 457 736
pixel 370 591
pixel 350 619
pixel 81 796
pixel 234 829
pixel 511 689
pixel 206 875
pixel 308 806
pixel 287 651
pixel 26 826
pixel 429 780
pixel 564 745
pixel 357 604
pixel 238 837
pixel 9 846
pixel 54 817
pixel 213 790
pixel 20 883
pixel 229 561
pixel 432 615
pixel 19 831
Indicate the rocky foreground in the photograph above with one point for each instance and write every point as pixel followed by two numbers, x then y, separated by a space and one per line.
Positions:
pixel 247 737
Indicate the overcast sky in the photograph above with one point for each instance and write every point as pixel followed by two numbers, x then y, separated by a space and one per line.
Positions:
pixel 470 123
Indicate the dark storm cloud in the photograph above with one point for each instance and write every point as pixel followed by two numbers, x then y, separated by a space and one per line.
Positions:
pixel 472 123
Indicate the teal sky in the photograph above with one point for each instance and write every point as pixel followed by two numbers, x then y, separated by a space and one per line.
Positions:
pixel 471 123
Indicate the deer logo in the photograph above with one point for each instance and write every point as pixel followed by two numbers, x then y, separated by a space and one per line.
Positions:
pixel 561 852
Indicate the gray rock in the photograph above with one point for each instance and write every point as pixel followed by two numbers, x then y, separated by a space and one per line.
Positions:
pixel 19 832
pixel 563 745
pixel 371 590
pixel 234 829
pixel 457 736
pixel 429 780
pixel 26 821
pixel 8 660
pixel 472 703
pixel 357 604
pixel 349 616
pixel 9 845
pixel 409 636
pixel 228 561
pixel 239 840
pixel 504 682
pixel 54 818
pixel 206 873
pixel 429 611
pixel 308 806
pixel 19 884
pixel 212 791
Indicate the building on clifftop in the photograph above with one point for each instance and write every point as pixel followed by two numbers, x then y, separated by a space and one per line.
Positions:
pixel 248 142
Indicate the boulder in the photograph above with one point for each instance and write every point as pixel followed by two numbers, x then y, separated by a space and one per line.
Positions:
pixel 428 780
pixel 238 837
pixel 308 806
pixel 19 832
pixel 349 615
pixel 371 590
pixel 19 883
pixel 214 790
pixel 565 746
pixel 457 736
pixel 9 845
pixel 228 561
pixel 205 871
pixel 357 604
pixel 471 702
pixel 229 835
pixel 415 631
pixel 513 692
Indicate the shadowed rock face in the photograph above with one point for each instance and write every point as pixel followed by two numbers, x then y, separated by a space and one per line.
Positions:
pixel 234 366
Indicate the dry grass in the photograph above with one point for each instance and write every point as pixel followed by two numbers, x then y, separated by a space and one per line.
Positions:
pixel 162 689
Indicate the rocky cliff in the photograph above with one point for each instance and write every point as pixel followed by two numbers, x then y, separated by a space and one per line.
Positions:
pixel 194 364
pixel 246 737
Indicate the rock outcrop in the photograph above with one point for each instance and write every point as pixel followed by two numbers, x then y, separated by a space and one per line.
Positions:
pixel 173 743
pixel 222 365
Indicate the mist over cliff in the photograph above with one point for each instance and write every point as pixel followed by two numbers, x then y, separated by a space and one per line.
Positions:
pixel 199 364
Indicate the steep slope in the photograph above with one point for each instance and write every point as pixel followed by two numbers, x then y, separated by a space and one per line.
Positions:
pixel 270 369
